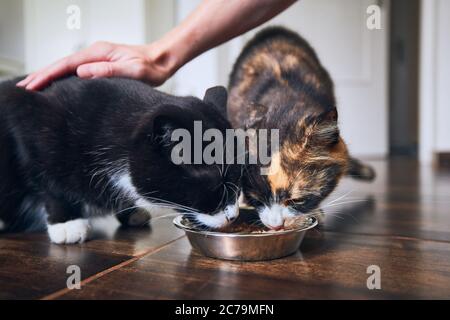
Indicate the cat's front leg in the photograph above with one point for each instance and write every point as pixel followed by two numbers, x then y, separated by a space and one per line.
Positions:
pixel 65 223
pixel 134 217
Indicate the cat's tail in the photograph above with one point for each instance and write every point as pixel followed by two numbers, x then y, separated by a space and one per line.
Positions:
pixel 360 171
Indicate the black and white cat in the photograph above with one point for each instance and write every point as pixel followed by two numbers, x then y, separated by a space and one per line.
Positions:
pixel 86 147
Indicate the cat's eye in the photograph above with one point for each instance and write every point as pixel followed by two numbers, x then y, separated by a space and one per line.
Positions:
pixel 306 204
pixel 296 201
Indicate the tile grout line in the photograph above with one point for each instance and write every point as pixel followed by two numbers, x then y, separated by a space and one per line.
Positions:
pixel 109 270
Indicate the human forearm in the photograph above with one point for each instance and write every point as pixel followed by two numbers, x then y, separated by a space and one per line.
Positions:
pixel 211 24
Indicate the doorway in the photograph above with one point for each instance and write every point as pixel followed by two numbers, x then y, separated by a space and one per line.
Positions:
pixel 404 69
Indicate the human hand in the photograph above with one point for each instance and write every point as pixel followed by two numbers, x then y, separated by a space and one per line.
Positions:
pixel 148 63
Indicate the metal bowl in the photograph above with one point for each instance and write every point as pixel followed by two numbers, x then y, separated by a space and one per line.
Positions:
pixel 246 246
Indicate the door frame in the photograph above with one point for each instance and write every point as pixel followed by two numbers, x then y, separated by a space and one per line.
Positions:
pixel 427 81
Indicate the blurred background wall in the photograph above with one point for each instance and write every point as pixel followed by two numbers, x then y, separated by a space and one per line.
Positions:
pixel 391 83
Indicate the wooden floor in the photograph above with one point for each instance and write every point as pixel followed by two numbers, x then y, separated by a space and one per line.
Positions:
pixel 400 223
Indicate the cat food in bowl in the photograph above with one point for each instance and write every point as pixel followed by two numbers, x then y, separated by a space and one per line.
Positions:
pixel 246 239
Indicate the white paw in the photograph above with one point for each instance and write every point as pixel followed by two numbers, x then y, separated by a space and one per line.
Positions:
pixel 74 231
pixel 139 218
pixel 231 211
pixel 2 225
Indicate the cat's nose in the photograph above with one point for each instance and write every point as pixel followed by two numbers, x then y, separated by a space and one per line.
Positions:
pixel 272 217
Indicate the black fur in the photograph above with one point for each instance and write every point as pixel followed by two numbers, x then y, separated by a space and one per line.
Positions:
pixel 60 147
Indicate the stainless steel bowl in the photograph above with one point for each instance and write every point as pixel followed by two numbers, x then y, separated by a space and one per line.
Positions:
pixel 246 246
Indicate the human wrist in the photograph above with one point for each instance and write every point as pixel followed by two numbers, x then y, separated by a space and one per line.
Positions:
pixel 176 48
pixel 170 52
pixel 158 60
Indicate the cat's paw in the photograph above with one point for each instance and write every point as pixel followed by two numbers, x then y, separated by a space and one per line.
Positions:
pixel 139 218
pixel 74 231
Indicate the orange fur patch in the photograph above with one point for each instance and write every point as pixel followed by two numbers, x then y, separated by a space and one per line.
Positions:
pixel 339 152
pixel 277 177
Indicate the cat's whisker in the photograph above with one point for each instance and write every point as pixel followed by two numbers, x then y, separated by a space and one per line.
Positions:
pixel 334 216
pixel 171 203
pixel 233 185
pixel 125 209
pixel 171 215
pixel 220 171
pixel 344 202
pixel 341 197
pixel 221 199
pixel 338 214
pixel 236 194
pixel 151 192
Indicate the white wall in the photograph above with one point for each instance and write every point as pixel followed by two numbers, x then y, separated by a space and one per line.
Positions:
pixel 117 21
pixel 443 76
pixel 11 28
pixel 201 73
pixel 434 109
pixel 12 49
pixel 355 56
pixel 47 37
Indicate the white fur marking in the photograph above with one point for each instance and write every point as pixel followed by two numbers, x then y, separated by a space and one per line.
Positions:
pixel 220 219
pixel 145 204
pixel 231 211
pixel 2 225
pixel 213 221
pixel 125 185
pixel 123 182
pixel 274 216
pixel 74 231
pixel 241 200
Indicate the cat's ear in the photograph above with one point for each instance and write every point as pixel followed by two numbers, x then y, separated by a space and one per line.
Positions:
pixel 165 122
pixel 328 116
pixel 217 96
pixel 321 129
pixel 157 128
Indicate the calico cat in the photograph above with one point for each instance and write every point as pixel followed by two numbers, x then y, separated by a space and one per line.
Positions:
pixel 278 82
pixel 87 147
